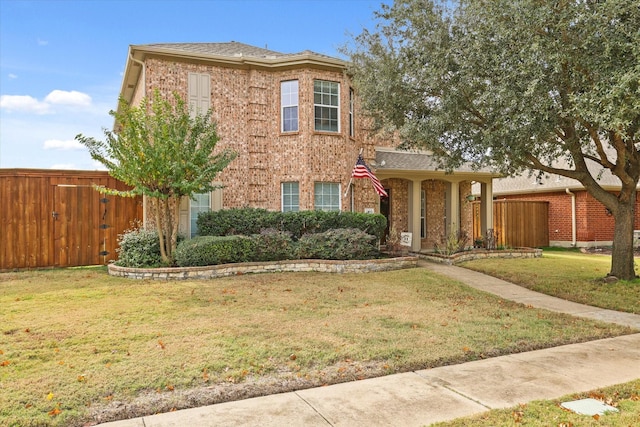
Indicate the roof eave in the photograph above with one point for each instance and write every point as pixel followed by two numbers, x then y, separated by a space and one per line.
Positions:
pixel 239 59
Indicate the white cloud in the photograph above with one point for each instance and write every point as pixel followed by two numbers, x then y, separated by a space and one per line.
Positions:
pixel 23 103
pixel 42 42
pixel 29 104
pixel 12 76
pixel 62 97
pixel 56 144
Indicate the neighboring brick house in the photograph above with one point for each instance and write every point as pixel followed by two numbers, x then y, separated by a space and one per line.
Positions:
pixel 576 218
pixel 294 121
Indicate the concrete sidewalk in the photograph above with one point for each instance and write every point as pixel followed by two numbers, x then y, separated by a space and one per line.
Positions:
pixel 423 397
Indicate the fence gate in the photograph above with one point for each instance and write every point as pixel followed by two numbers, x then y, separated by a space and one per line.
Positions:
pixel 77 233
pixel 58 218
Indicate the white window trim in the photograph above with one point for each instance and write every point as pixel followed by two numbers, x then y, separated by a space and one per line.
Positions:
pixel 352 122
pixel 283 106
pixel 327 106
pixel 339 193
pixel 282 194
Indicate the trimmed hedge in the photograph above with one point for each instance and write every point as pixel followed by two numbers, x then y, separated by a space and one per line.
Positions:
pixel 248 221
pixel 338 244
pixel 272 245
pixel 212 250
pixel 139 248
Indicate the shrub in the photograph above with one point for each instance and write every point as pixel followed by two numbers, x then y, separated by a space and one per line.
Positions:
pixel 213 250
pixel 453 242
pixel 339 244
pixel 272 245
pixel 139 248
pixel 229 222
pixel 248 221
pixel 302 222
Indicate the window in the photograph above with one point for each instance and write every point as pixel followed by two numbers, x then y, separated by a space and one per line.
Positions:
pixel 326 96
pixel 423 214
pixel 289 105
pixel 290 197
pixel 202 203
pixel 327 196
pixel 199 92
pixel 352 128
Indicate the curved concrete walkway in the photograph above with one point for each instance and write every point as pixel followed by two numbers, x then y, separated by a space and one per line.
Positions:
pixel 522 295
pixel 423 397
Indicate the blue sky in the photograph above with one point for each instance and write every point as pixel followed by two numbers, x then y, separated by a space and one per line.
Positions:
pixel 61 61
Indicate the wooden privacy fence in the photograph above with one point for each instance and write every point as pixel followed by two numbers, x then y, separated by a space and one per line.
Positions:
pixel 518 223
pixel 52 218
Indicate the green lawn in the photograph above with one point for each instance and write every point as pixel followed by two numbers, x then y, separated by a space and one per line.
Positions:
pixel 545 413
pixel 566 274
pixel 77 344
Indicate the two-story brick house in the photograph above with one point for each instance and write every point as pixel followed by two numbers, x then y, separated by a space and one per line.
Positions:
pixel 294 121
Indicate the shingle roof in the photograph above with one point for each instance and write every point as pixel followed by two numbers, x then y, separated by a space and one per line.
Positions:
pixel 223 49
pixel 229 49
pixel 416 161
pixel 530 183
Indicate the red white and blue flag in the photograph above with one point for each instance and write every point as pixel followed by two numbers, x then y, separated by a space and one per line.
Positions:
pixel 361 170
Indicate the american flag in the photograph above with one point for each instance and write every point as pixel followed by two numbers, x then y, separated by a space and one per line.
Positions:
pixel 361 170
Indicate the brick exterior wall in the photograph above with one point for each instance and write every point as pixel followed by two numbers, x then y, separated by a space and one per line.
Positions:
pixel 246 107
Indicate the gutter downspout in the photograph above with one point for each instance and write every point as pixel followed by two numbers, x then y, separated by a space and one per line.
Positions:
pixel 144 82
pixel 144 94
pixel 573 217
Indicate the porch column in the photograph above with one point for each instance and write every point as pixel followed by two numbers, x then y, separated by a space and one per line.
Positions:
pixel 486 206
pixel 453 207
pixel 414 214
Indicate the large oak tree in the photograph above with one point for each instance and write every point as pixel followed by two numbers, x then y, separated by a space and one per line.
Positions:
pixel 519 85
pixel 164 153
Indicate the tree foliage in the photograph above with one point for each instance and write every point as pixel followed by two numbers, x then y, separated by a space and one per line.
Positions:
pixel 517 85
pixel 163 152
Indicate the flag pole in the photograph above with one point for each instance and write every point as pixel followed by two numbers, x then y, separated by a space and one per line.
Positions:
pixel 351 176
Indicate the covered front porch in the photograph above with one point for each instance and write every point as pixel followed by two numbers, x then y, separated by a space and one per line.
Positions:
pixel 429 203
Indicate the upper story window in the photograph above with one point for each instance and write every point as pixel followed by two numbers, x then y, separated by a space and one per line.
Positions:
pixel 290 197
pixel 199 92
pixel 352 127
pixel 289 106
pixel 326 103
pixel 326 196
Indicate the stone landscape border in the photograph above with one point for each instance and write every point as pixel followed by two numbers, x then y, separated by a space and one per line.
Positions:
pixel 322 266
pixel 222 270
pixel 481 254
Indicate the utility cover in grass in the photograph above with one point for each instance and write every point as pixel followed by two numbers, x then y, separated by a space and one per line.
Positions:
pixel 588 407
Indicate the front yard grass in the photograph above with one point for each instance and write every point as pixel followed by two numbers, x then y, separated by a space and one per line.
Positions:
pixel 569 275
pixel 544 413
pixel 78 346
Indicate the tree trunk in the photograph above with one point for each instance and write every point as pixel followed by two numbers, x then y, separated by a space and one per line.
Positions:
pixel 168 229
pixel 176 224
pixel 160 230
pixel 622 258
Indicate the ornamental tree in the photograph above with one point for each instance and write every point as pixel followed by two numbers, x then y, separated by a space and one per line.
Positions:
pixel 164 153
pixel 518 85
